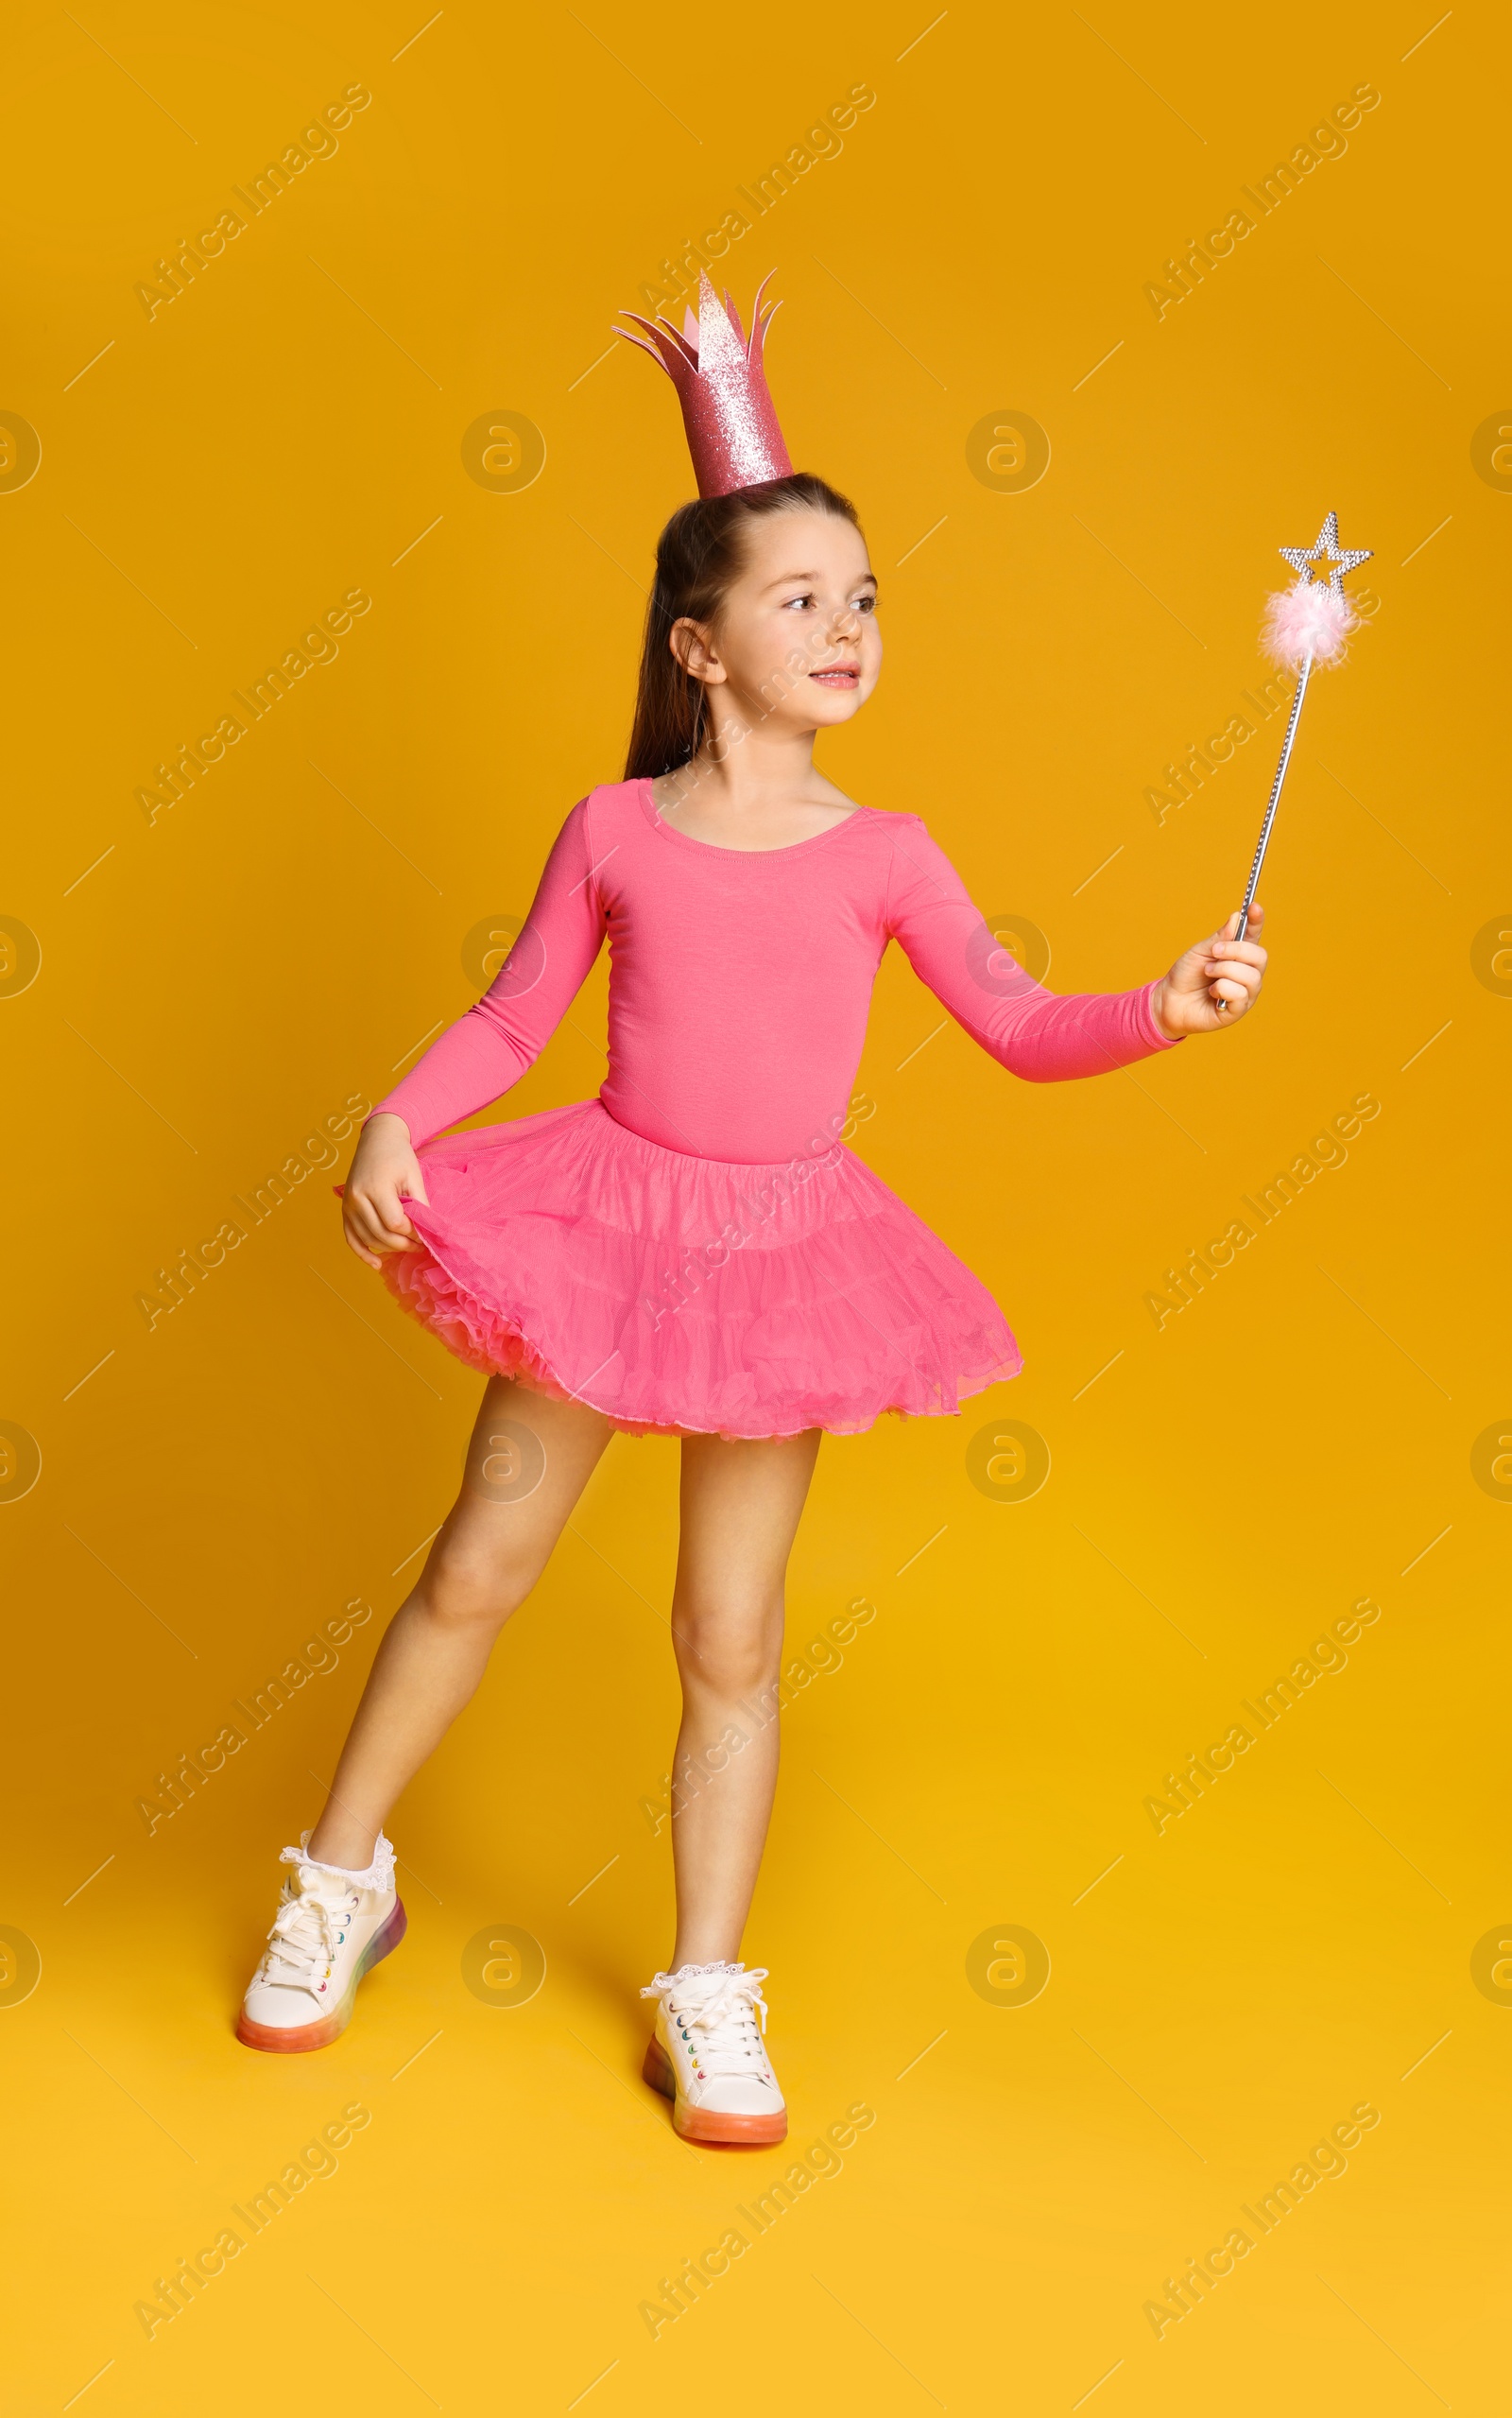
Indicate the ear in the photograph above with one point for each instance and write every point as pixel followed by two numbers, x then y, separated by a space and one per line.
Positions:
pixel 692 643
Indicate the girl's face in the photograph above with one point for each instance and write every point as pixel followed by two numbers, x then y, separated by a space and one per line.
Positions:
pixel 796 645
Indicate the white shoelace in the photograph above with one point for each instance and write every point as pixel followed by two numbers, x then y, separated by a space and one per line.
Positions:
pixel 306 1933
pixel 715 2009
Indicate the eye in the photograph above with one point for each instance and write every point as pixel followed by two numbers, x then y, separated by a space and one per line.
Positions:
pixel 864 604
pixel 797 601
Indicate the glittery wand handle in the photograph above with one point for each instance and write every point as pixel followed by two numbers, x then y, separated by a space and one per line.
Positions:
pixel 1292 721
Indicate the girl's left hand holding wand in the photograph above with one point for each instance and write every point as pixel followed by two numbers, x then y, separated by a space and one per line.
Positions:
pixel 1211 984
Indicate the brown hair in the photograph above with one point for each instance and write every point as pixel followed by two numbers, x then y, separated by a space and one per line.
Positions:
pixel 699 555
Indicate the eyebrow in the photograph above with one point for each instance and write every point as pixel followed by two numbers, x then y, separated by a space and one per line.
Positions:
pixel 787 578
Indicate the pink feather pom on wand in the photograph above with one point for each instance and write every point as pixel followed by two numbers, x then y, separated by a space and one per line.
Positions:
pixel 1307 623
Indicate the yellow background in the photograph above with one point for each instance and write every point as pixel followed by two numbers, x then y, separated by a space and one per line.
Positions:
pixel 215 982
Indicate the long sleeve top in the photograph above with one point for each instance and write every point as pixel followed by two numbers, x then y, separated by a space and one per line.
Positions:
pixel 740 982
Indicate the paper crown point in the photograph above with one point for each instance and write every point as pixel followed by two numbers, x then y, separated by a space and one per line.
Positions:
pixel 732 426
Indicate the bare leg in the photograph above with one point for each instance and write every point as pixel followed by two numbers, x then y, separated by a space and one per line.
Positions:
pixel 740 1507
pixel 496 1542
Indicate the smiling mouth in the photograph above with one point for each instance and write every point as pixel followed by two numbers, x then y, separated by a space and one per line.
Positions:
pixel 838 676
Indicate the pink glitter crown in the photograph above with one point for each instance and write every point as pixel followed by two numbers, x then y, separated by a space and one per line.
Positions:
pixel 732 431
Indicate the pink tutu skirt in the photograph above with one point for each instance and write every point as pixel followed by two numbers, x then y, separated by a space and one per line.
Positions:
pixel 683 1295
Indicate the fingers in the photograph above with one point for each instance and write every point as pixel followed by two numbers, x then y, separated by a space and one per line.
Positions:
pixel 369 1259
pixel 1231 953
pixel 1235 969
pixel 375 1220
pixel 1237 961
pixel 371 1243
pixel 385 1206
pixel 384 1175
pixel 1238 989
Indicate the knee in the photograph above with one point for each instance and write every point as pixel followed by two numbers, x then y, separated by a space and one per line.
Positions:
pixel 732 1653
pixel 463 1589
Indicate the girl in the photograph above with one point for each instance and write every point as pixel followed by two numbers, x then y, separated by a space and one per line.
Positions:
pixel 693 1253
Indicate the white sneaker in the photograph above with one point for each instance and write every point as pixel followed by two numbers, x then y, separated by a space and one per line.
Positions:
pixel 707 2055
pixel 330 1929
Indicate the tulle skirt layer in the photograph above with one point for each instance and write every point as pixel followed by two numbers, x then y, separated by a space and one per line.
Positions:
pixel 685 1295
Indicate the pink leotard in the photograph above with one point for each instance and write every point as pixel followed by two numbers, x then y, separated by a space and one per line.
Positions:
pixel 740 982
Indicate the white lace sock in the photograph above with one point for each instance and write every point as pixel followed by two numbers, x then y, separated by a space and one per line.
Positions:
pixel 686 1972
pixel 379 1874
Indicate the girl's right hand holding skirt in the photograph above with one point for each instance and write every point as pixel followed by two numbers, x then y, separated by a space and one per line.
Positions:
pixel 385 1174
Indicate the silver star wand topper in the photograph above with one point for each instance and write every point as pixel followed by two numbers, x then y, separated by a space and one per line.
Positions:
pixel 1305 624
